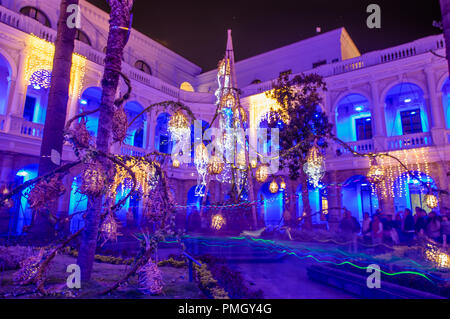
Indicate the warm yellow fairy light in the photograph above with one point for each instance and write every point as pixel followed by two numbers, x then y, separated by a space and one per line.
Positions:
pixel 282 185
pixel 437 256
pixel 176 163
pixel 253 163
pixel 314 166
pixel 40 55
pixel 375 174
pixel 179 126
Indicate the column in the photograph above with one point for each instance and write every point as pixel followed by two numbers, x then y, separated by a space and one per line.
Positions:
pixel 437 113
pixel 18 91
pixel 378 119
pixel 444 199
pixel 151 125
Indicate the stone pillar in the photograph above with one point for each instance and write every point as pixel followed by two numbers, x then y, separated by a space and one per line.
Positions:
pixel 444 199
pixel 334 202
pixel 378 120
pixel 437 115
pixel 151 125
pixel 18 89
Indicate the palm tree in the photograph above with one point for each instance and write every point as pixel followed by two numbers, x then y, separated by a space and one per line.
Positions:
pixel 56 109
pixel 117 38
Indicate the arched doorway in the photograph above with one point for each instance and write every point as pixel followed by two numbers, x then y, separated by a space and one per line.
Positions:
pixel 446 102
pixel 163 143
pixel 410 193
pixel 405 110
pixel 5 76
pixel 91 100
pixel 194 205
pixel 137 132
pixel 359 197
pixel 353 118
pixel 21 213
pixel 271 207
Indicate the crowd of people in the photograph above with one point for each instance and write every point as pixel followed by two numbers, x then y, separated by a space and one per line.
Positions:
pixel 404 228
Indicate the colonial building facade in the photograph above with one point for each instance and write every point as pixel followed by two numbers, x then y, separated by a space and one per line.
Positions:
pixel 394 100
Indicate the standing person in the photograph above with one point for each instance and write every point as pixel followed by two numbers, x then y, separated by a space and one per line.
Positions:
pixel 366 227
pixel 397 227
pixel 433 226
pixel 377 230
pixel 421 221
pixel 408 226
pixel 445 230
pixel 350 228
pixel 387 228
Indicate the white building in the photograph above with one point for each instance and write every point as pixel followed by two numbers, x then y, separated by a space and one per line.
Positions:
pixel 393 100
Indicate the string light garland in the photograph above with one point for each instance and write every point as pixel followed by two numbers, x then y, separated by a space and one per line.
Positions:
pixel 39 58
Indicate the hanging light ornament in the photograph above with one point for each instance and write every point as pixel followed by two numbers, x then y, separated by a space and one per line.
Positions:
pixel 314 166
pixel 253 163
pixel 176 163
pixel 375 175
pixel 41 79
pixel 431 201
pixel 109 228
pixel 218 221
pixel 179 126
pixel 215 165
pixel 282 185
pixel 262 173
pixel 201 162
pixel 273 187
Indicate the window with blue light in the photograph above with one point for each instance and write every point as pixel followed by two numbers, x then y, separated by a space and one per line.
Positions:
pixel 411 121
pixel 28 110
pixel 363 128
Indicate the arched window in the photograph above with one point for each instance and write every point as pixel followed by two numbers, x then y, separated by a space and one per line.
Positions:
pixel 144 67
pixel 186 86
pixel 37 15
pixel 256 81
pixel 81 36
pixel 353 118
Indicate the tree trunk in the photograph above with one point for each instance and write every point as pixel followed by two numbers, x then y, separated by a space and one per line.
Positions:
pixel 445 11
pixel 56 111
pixel 305 199
pixel 117 38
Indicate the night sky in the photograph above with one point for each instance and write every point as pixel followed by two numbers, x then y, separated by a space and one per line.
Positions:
pixel 197 29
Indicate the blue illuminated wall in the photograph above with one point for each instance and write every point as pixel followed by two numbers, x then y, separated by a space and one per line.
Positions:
pixel 315 201
pixel 410 193
pixel 78 204
pixel 137 132
pixel 271 210
pixel 162 136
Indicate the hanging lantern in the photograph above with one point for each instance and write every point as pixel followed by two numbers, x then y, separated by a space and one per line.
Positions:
pixel 375 174
pixel 179 126
pixel 282 185
pixel 93 179
pixel 4 191
pixel 217 222
pixel 314 166
pixel 262 173
pixel 176 163
pixel 431 201
pixel 273 187
pixel 215 165
pixel 253 163
pixel 109 228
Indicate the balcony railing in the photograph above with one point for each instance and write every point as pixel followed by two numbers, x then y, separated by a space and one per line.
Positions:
pixel 406 50
pixel 365 146
pixel 409 141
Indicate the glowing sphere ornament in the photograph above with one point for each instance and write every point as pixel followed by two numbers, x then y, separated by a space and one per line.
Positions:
pixel 282 185
pixel 215 165
pixel 375 175
pixel 273 187
pixel 262 173
pixel 431 201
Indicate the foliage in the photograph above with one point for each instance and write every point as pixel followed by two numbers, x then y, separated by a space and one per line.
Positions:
pixel 299 99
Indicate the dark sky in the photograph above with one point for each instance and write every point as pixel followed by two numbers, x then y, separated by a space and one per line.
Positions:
pixel 197 29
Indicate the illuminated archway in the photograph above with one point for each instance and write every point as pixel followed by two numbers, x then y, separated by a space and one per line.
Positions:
pixel 405 110
pixel 446 102
pixel 271 205
pixel 91 100
pixel 21 213
pixel 163 143
pixel 410 193
pixel 186 86
pixel 359 197
pixel 353 118
pixel 137 132
pixel 318 201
